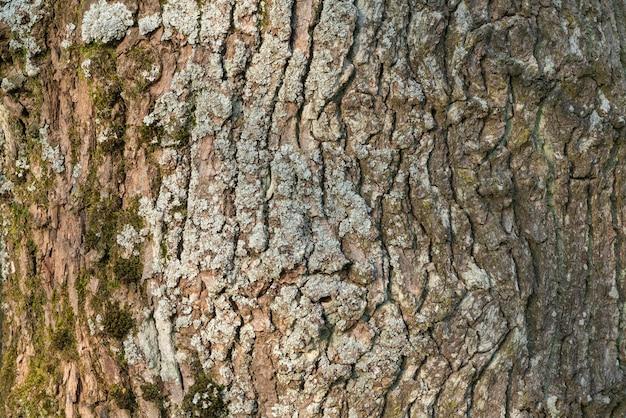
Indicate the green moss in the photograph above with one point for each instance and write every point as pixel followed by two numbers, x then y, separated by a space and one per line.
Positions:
pixel 124 397
pixel 80 285
pixel 62 339
pixel 178 136
pixel 125 270
pixel 75 142
pixel 117 322
pixel 106 95
pixel 18 221
pixel 36 397
pixel 101 223
pixel 102 294
pixel 130 215
pixel 204 398
pixel 33 301
pixel 24 130
pixel 182 137
pixel 141 60
pixel 18 130
pixel 153 392
pixel 7 367
pixel 103 59
pixel 106 89
pixel 114 134
pixel 163 249
pixel 128 271
pixel 104 217
pixel 50 345
pixel 34 93
pixel 151 134
pixel 264 17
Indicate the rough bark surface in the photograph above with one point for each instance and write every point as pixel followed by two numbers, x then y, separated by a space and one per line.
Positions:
pixel 368 208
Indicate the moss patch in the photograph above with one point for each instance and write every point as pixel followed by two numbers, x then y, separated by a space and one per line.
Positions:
pixel 80 284
pixel 153 392
pixel 63 339
pixel 7 369
pixel 128 271
pixel 141 67
pixel 204 399
pixel 106 89
pixel 124 397
pixel 117 322
pixel 101 223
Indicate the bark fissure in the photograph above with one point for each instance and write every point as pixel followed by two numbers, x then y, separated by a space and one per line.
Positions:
pixel 328 207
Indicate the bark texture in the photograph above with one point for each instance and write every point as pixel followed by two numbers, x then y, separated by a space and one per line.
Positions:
pixel 305 208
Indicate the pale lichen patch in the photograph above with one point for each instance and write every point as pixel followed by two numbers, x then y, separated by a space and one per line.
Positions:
pixel 149 24
pixel 106 22
pixel 182 15
pixel 51 154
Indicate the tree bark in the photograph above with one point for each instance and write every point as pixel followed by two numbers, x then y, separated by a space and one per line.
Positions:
pixel 369 208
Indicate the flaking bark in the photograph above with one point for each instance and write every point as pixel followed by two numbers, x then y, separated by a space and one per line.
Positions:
pixel 370 208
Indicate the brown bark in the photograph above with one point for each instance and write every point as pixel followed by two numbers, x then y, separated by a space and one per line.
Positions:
pixel 330 208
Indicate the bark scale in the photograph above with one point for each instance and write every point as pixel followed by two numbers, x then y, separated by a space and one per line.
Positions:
pixel 313 208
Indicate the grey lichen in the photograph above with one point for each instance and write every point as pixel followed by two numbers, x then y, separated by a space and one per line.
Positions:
pixel 343 303
pixel 149 24
pixel 13 81
pixel 215 23
pixel 106 22
pixel 128 240
pixel 182 15
pixel 68 41
pixel 51 154
pixel 21 16
pixel 330 70
pixel 5 260
pixel 305 238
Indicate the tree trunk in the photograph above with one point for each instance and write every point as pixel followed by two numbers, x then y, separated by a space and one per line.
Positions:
pixel 333 208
